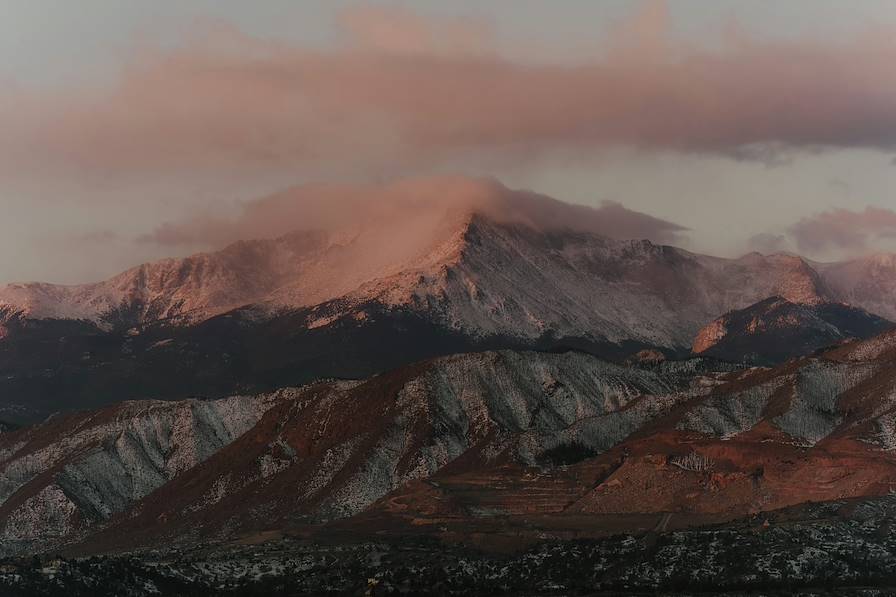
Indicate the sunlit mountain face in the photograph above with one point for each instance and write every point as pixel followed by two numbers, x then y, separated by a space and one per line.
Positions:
pixel 447 298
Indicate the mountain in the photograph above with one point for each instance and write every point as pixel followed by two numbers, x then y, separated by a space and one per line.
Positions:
pixel 345 443
pixel 87 466
pixel 560 444
pixel 427 270
pixel 478 267
pixel 775 329
pixel 486 268
pixel 868 282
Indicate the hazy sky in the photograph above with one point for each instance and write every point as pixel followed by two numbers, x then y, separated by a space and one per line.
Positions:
pixel 755 124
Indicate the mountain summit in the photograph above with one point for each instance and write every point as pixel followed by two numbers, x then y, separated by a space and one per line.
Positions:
pixel 310 245
pixel 776 329
pixel 426 267
pixel 493 260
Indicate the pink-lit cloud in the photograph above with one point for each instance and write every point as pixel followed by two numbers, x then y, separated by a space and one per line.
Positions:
pixel 405 94
pixel 843 229
pixel 421 203
pixel 398 31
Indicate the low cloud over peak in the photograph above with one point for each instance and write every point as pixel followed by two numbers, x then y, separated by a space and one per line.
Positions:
pixel 844 230
pixel 184 124
pixel 834 234
pixel 425 202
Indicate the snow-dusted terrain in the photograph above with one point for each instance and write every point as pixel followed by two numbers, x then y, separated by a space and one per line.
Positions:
pixel 466 420
pixel 480 259
pixel 57 477
pixel 145 470
pixel 61 477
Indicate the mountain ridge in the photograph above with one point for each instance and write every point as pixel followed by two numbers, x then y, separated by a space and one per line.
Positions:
pixel 448 278
pixel 775 329
pixel 288 272
pixel 461 440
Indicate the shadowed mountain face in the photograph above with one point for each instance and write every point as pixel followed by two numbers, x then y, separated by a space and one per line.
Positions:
pixel 775 330
pixel 51 365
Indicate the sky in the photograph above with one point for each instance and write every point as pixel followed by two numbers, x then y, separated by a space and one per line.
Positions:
pixel 128 126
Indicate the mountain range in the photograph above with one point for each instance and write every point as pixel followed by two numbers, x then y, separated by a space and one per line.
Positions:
pixel 491 372
pixel 510 443
pixel 489 270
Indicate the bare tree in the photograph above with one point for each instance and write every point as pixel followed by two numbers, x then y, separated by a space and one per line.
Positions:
pixel 692 462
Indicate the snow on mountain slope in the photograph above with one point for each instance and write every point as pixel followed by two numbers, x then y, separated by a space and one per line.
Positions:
pixel 477 275
pixel 299 269
pixel 326 450
pixel 494 269
pixel 523 282
pixel 59 477
pixel 471 255
pixel 201 285
pixel 400 232
pixel 510 431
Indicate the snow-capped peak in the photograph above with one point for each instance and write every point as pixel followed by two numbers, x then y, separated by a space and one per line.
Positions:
pixel 469 254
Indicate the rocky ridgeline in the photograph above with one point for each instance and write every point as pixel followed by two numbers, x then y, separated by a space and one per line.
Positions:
pixel 269 313
pixel 128 475
pixel 331 450
pixel 59 478
pixel 477 270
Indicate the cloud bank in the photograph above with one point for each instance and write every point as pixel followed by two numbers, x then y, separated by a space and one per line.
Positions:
pixel 401 94
pixel 223 115
pixel 844 229
pixel 417 204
